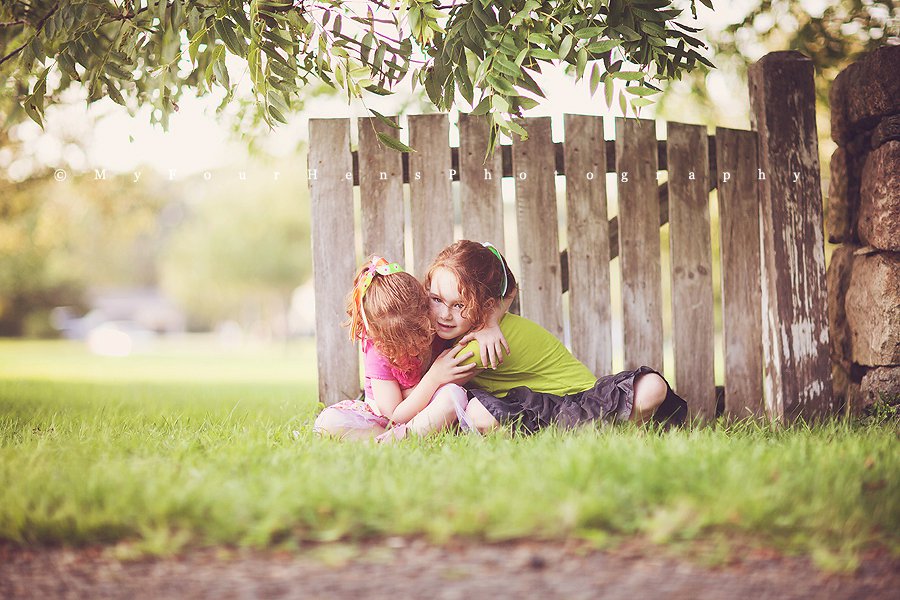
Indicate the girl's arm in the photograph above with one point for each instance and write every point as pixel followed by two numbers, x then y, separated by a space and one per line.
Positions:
pixel 446 369
pixel 491 341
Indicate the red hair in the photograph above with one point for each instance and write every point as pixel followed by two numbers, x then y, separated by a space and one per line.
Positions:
pixel 480 274
pixel 396 308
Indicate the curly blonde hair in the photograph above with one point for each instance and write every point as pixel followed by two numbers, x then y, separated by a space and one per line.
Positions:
pixel 396 308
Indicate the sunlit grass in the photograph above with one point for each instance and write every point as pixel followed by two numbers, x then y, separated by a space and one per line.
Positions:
pixel 135 452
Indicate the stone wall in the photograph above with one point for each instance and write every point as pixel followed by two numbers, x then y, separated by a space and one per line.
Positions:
pixel 864 217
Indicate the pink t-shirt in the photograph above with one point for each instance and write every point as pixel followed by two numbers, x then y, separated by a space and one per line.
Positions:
pixel 377 366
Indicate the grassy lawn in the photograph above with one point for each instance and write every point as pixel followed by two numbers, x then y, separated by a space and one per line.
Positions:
pixel 190 445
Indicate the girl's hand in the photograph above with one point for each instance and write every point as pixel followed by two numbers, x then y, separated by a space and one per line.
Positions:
pixel 446 368
pixel 491 343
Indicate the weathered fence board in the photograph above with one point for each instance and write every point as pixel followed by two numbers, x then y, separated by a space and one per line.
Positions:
pixel 540 294
pixel 431 199
pixel 481 197
pixel 741 294
pixel 639 242
pixel 588 242
pixel 334 255
pixel 381 193
pixel 691 267
pixel 798 365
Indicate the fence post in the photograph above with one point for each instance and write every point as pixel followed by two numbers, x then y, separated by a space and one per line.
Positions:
pixel 795 337
pixel 334 255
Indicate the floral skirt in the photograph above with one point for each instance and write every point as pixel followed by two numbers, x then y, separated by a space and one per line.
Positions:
pixel 355 419
pixel 348 415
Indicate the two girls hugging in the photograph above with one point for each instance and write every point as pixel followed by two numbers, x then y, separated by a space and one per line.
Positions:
pixel 422 345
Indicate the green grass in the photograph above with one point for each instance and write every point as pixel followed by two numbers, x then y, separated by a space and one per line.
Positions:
pixel 156 453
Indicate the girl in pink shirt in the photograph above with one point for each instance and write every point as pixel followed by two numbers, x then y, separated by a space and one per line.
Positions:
pixel 411 381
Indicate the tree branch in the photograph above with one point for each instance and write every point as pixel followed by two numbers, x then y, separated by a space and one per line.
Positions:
pixel 37 30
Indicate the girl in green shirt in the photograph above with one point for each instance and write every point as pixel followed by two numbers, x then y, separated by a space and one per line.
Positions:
pixel 539 382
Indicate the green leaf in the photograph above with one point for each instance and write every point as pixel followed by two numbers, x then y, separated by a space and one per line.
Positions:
pixel 501 85
pixel 241 18
pixel 449 91
pixel 516 128
pixel 527 103
pixel 588 32
pixel 93 44
pixel 507 67
pixel 482 70
pixel 118 72
pixel 543 54
pixel 392 142
pixel 276 99
pixel 595 78
pixel 387 121
pixel 280 69
pixel 220 70
pixel 580 63
pixel 603 46
pixel 629 75
pixel 641 91
pixel 508 45
pixel 566 46
pixel 527 82
pixel 629 34
pixel 225 28
pixel 32 112
pixel 195 44
pixel 114 94
pixel 465 85
pixel 434 13
pixel 276 114
pixel 639 102
pixel 702 59
pixel 520 57
pixel 38 49
pixel 379 57
pixel 67 64
pixel 378 90
pixel 483 107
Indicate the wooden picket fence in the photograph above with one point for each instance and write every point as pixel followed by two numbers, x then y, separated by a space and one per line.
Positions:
pixel 774 333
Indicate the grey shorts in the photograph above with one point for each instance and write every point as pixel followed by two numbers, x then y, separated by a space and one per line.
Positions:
pixel 611 399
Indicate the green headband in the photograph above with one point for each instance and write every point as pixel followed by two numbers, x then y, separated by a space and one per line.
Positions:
pixel 496 253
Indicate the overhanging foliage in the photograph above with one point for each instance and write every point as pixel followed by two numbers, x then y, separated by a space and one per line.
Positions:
pixel 487 53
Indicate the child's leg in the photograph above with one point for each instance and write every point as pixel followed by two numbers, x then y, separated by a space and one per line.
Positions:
pixel 479 417
pixel 649 392
pixel 440 412
pixel 348 422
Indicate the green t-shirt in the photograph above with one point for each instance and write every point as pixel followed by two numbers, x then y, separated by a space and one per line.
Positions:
pixel 537 360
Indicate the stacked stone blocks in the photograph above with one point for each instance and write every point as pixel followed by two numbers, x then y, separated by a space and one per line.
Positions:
pixel 864 217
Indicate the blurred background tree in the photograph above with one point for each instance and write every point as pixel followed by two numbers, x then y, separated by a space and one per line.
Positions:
pixel 242 249
pixel 57 239
pixel 833 33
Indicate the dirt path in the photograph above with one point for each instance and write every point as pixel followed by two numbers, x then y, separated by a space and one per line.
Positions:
pixel 414 569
